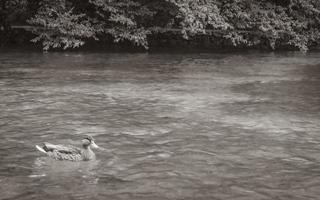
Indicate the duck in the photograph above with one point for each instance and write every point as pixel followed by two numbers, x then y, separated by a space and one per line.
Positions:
pixel 69 152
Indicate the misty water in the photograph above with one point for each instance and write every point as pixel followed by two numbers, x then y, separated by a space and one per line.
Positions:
pixel 238 126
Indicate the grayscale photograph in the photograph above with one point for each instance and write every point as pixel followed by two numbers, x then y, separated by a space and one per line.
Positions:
pixel 159 99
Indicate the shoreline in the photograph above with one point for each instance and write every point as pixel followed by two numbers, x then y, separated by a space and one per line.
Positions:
pixel 162 40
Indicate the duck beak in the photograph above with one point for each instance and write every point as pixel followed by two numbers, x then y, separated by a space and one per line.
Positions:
pixel 94 145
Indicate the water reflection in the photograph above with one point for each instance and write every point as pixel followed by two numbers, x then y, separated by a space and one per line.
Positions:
pixel 174 126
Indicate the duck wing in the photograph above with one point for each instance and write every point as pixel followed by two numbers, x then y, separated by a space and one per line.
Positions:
pixel 64 149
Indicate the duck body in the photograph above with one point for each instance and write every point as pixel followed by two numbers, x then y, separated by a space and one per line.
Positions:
pixel 68 152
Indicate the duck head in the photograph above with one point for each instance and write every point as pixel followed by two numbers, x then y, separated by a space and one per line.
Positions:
pixel 88 141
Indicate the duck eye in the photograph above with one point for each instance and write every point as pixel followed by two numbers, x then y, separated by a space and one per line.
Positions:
pixel 89 138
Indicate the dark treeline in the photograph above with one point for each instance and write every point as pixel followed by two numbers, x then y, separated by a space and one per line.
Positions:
pixel 70 23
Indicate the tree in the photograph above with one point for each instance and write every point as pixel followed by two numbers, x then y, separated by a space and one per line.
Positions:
pixel 123 20
pixel 69 23
pixel 196 16
pixel 56 25
pixel 59 25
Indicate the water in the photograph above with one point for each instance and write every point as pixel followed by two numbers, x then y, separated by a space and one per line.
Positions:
pixel 242 126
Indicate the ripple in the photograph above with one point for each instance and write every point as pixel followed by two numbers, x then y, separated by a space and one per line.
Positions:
pixel 36 175
pixel 173 126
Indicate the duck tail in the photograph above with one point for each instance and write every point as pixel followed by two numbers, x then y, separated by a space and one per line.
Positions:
pixel 41 149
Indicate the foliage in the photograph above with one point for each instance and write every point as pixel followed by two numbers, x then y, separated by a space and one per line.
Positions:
pixel 196 16
pixel 123 20
pixel 69 23
pixel 57 26
pixel 295 24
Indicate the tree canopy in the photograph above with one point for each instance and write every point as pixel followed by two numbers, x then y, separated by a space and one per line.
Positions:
pixel 70 23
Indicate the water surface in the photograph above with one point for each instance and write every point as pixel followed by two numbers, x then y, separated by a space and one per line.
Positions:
pixel 241 126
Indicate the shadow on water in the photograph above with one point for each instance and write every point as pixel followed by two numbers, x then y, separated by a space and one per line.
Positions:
pixel 173 126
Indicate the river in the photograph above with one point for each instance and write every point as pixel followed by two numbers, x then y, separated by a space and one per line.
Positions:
pixel 234 126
